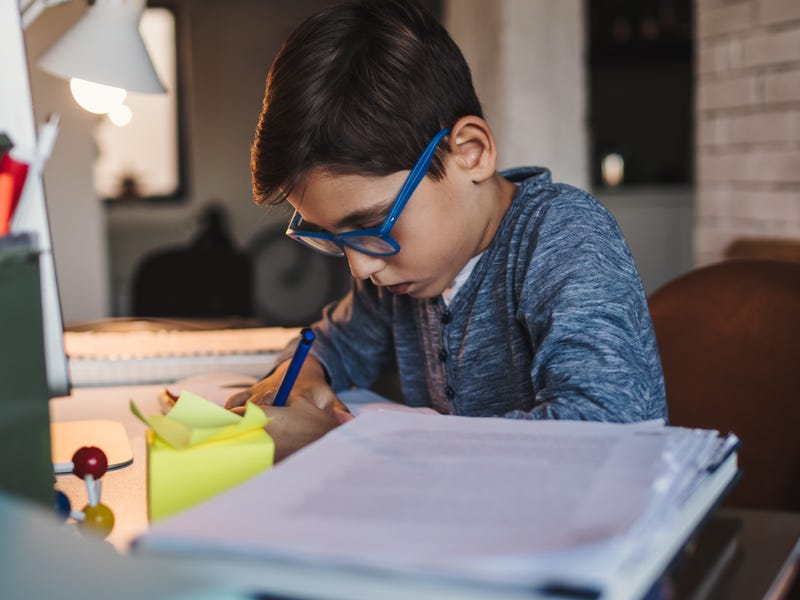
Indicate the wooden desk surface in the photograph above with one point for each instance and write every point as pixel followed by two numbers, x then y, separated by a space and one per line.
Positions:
pixel 738 554
pixel 124 490
pixel 741 554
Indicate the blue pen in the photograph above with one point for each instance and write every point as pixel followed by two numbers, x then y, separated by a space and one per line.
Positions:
pixel 306 339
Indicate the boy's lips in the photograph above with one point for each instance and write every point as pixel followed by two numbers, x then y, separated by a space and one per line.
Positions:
pixel 399 288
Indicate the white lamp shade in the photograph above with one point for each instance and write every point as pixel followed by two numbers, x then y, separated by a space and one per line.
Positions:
pixel 105 46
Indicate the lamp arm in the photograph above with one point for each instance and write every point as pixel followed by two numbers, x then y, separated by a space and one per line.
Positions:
pixel 31 9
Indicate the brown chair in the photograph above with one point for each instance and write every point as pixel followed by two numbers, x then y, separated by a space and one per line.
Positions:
pixel 787 250
pixel 729 337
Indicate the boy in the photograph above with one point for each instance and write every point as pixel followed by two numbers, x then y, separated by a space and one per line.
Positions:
pixel 494 294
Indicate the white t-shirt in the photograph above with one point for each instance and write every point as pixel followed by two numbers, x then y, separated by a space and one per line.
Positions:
pixel 462 276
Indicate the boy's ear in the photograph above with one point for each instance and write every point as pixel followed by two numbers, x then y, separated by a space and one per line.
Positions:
pixel 472 148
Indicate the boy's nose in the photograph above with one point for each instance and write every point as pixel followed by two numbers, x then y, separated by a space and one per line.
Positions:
pixel 363 266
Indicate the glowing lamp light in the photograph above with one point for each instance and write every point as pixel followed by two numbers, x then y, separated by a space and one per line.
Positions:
pixel 613 169
pixel 96 97
pixel 121 115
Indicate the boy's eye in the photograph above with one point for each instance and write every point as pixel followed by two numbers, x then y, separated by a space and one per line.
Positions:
pixel 314 228
pixel 374 223
pixel 359 226
pixel 371 225
pixel 307 226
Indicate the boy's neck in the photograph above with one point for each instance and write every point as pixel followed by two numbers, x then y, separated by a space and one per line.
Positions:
pixel 499 193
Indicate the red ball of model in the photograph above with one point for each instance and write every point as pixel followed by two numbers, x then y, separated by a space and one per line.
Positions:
pixel 89 460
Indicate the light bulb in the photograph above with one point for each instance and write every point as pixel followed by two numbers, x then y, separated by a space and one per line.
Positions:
pixel 96 97
pixel 613 169
pixel 120 115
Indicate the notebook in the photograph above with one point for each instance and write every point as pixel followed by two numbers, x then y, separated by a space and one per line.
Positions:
pixel 164 351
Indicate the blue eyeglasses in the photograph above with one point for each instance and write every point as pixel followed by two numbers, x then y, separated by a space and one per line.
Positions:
pixel 374 241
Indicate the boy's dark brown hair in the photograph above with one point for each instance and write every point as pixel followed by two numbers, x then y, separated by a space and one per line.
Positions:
pixel 358 88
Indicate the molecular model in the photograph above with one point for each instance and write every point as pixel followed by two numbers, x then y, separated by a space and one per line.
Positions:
pixel 90 464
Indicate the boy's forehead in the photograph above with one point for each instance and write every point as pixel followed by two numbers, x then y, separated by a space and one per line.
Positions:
pixel 320 177
pixel 331 198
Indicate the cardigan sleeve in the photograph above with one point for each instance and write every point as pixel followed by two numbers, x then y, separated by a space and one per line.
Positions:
pixel 354 338
pixel 584 307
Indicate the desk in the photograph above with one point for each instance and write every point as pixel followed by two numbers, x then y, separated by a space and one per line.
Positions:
pixel 124 490
pixel 739 554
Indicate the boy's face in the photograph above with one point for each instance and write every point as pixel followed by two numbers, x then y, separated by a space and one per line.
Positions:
pixel 441 227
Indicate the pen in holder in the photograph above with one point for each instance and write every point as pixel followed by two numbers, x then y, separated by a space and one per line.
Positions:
pixel 12 179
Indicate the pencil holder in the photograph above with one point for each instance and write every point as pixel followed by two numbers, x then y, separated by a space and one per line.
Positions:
pixel 24 395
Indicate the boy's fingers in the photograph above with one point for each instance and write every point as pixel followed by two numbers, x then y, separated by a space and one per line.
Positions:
pixel 342 416
pixel 238 399
pixel 324 399
pixel 252 394
pixel 339 406
pixel 294 426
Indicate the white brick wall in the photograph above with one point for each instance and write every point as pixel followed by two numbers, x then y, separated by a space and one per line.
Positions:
pixel 747 122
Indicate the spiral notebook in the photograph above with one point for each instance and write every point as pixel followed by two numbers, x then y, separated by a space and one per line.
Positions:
pixel 168 351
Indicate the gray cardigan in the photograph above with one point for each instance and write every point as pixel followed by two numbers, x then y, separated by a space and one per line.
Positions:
pixel 552 323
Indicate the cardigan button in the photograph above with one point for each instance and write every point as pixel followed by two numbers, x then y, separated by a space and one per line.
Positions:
pixel 451 393
pixel 443 356
pixel 446 317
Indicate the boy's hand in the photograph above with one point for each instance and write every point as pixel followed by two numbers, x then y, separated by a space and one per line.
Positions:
pixel 311 410
pixel 310 385
pixel 293 427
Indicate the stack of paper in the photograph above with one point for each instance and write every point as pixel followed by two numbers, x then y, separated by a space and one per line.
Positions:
pixel 519 505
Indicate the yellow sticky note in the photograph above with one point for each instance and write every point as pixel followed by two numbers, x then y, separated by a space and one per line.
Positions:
pixel 200 449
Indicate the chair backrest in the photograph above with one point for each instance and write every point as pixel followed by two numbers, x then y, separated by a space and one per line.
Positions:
pixel 729 338
pixel 764 248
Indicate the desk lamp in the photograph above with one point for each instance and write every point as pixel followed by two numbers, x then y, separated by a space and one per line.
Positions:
pixel 103 54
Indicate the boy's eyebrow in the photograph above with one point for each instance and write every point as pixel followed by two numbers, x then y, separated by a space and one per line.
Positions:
pixel 365 215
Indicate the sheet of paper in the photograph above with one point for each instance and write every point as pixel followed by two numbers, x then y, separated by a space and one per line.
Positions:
pixel 361 401
pixel 485 499
pixel 214 387
pixel 218 387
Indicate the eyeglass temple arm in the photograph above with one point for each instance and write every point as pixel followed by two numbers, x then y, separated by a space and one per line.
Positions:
pixel 417 173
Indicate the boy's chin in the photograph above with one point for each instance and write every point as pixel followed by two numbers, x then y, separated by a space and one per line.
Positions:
pixel 416 291
pixel 425 293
